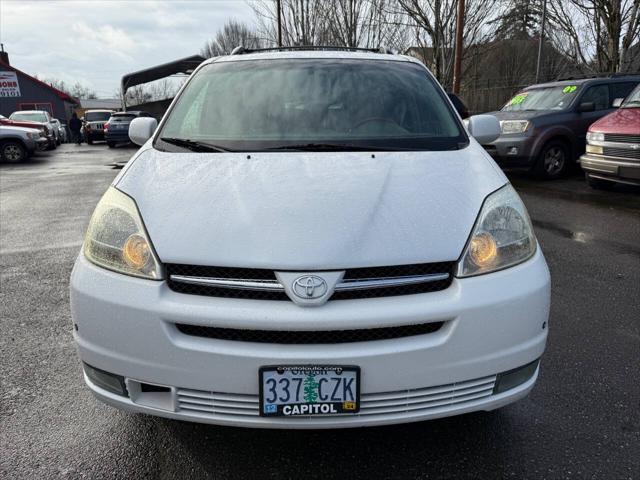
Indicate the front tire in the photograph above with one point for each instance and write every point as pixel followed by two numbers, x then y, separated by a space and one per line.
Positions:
pixel 13 152
pixel 553 161
pixel 111 145
pixel 598 183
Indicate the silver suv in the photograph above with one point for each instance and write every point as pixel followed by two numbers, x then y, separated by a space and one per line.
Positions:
pixel 18 143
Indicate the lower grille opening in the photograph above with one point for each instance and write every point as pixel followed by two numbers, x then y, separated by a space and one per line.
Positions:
pixel 300 337
pixel 148 388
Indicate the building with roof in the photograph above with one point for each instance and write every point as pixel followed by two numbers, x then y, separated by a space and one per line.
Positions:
pixel 21 91
pixel 114 104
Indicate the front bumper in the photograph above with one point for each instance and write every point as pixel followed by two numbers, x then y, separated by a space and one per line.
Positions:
pixel 41 144
pixel 513 151
pixel 611 168
pixel 95 134
pixel 493 323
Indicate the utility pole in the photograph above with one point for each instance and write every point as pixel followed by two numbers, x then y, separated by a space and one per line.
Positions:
pixel 457 60
pixel 279 7
pixel 541 39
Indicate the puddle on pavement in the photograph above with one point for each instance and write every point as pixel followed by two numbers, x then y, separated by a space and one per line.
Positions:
pixel 586 238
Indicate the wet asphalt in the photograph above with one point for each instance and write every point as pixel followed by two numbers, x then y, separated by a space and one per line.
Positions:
pixel 581 421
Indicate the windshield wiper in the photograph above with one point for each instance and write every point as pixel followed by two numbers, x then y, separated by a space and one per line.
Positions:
pixel 194 145
pixel 332 147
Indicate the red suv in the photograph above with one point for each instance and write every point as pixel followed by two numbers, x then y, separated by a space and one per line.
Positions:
pixel 613 146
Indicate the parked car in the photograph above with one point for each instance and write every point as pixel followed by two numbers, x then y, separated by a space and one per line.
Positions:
pixel 544 126
pixel 613 146
pixel 17 144
pixel 26 124
pixel 62 131
pixel 285 252
pixel 117 128
pixel 56 130
pixel 93 125
pixel 38 116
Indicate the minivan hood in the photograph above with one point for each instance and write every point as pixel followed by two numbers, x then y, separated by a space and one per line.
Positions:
pixel 310 211
pixel 624 121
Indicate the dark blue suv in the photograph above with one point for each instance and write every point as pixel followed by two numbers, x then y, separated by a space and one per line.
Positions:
pixel 544 126
pixel 116 130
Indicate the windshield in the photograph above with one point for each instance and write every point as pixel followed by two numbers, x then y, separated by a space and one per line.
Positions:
pixel 97 116
pixel 547 98
pixel 263 104
pixel 30 117
pixel 633 100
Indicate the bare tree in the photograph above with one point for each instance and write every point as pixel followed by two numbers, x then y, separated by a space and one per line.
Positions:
pixel 345 23
pixel 434 27
pixel 598 34
pixel 162 89
pixel 304 22
pixel 232 35
pixel 77 90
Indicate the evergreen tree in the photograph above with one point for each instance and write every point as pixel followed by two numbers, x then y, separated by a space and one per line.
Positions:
pixel 310 389
pixel 520 21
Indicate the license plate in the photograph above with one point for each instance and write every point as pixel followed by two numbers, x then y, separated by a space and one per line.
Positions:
pixel 304 390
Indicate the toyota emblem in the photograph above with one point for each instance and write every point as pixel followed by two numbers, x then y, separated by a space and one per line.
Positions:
pixel 309 287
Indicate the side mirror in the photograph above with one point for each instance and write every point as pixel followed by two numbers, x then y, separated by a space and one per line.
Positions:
pixel 141 129
pixel 587 107
pixel 82 119
pixel 484 128
pixel 617 102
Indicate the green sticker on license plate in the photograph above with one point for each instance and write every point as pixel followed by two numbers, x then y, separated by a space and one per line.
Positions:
pixel 304 390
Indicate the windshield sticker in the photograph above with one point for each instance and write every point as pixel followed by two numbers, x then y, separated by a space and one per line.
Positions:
pixel 569 89
pixel 518 99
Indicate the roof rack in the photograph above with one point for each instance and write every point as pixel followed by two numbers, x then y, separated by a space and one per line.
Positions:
pixel 240 50
pixel 598 75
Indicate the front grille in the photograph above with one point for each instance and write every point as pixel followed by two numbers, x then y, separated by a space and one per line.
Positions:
pixel 221 272
pixel 621 153
pixel 268 278
pixel 306 337
pixel 612 137
pixel 415 401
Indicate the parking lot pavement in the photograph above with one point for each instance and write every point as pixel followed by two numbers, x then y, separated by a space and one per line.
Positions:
pixel 581 421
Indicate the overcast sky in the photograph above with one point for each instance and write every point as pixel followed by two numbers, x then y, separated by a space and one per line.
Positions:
pixel 96 42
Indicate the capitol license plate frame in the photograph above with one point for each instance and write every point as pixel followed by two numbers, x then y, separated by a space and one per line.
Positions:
pixel 305 409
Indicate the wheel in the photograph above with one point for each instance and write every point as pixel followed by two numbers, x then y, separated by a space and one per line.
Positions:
pixel 89 141
pixel 111 144
pixel 13 152
pixel 598 183
pixel 553 160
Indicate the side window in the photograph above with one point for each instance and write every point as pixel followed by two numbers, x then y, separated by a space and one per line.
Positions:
pixel 621 90
pixel 599 95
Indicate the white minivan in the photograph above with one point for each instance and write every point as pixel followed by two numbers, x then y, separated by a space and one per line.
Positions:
pixel 311 238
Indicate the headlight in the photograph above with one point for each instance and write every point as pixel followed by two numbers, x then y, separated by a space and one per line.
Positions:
pixel 595 137
pixel 32 136
pixel 502 236
pixel 116 238
pixel 514 126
